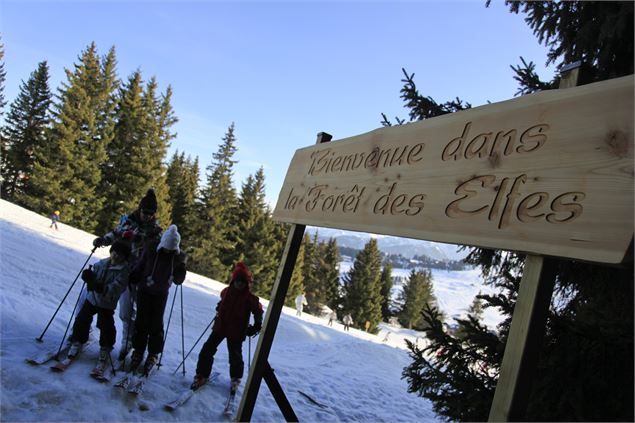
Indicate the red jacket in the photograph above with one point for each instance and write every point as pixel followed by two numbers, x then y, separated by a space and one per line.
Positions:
pixel 232 317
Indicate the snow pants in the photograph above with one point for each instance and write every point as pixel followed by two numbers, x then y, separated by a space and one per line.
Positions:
pixel 148 328
pixel 105 324
pixel 127 315
pixel 206 356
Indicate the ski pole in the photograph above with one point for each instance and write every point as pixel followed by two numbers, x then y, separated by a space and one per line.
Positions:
pixel 249 365
pixel 114 372
pixel 70 320
pixel 39 339
pixel 182 334
pixel 194 346
pixel 130 323
pixel 167 329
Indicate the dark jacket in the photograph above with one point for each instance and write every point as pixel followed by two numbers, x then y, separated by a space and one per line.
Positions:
pixel 114 278
pixel 156 270
pixel 135 230
pixel 232 317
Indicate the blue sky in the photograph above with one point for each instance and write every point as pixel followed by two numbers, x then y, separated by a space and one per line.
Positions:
pixel 282 71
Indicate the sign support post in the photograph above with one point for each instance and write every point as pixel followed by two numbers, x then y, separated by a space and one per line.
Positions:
pixel 528 324
pixel 260 365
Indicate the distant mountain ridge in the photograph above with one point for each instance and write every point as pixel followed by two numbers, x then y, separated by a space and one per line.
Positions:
pixel 407 247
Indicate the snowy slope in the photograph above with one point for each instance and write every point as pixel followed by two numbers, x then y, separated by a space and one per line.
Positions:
pixel 354 373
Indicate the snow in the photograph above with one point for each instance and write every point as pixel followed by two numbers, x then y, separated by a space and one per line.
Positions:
pixel 355 374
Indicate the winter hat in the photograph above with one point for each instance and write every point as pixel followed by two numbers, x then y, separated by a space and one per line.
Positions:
pixel 170 239
pixel 122 248
pixel 149 202
pixel 241 272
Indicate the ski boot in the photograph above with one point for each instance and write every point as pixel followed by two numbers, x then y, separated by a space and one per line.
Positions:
pixel 199 380
pixel 149 364
pixel 135 360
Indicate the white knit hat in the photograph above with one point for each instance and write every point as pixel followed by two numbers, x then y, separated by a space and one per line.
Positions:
pixel 170 239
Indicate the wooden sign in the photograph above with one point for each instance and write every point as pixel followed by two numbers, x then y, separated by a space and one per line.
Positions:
pixel 548 173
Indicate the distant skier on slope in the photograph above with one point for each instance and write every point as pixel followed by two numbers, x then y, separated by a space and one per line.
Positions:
pixel 231 323
pixel 300 302
pixel 161 264
pixel 55 217
pixel 139 227
pixel 348 321
pixel 105 281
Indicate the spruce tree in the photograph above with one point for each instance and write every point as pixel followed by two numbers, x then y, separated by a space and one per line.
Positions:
pixel 216 208
pixel 159 120
pixel 3 141
pixel 362 287
pixel 585 371
pixel 386 292
pixel 417 293
pixel 3 75
pixel 255 237
pixel 331 274
pixel 66 172
pixel 25 132
pixel 314 274
pixel 125 171
pixel 296 284
pixel 182 180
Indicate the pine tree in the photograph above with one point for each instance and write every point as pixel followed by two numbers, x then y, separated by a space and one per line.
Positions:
pixel 362 287
pixel 159 119
pixel 296 284
pixel 125 170
pixel 216 209
pixel 331 274
pixel 255 237
pixel 585 370
pixel 182 180
pixel 3 75
pixel 417 293
pixel 25 133
pixel 3 142
pixel 66 173
pixel 386 291
pixel 314 273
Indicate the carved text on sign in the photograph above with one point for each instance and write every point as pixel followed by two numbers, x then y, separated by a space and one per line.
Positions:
pixel 563 208
pixel 488 144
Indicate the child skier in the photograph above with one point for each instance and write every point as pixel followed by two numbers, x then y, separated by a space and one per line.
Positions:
pixel 161 264
pixel 105 282
pixel 231 323
pixel 55 217
pixel 140 227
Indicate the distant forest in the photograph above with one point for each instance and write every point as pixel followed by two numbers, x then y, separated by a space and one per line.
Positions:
pixel 398 261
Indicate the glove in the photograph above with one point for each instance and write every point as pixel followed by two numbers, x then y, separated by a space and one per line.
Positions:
pixel 95 286
pixel 129 235
pixel 99 242
pixel 179 274
pixel 253 330
pixel 88 276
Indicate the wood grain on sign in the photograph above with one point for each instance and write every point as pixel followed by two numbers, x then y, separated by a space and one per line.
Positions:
pixel 548 173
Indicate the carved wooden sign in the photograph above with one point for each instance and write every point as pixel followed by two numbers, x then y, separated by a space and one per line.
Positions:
pixel 548 173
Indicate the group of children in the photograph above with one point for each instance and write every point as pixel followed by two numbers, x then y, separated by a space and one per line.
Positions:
pixel 143 264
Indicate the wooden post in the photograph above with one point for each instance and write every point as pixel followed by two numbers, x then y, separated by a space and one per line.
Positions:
pixel 524 341
pixel 265 340
pixel 528 323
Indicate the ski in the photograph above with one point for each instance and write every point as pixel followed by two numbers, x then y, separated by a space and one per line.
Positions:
pixel 42 357
pixel 228 411
pixel 135 386
pixel 101 373
pixel 63 365
pixel 123 382
pixel 187 394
